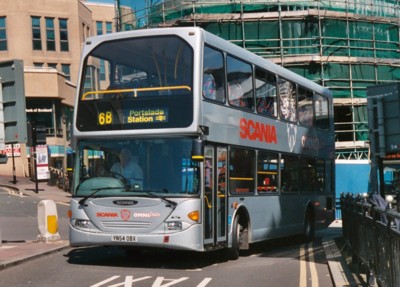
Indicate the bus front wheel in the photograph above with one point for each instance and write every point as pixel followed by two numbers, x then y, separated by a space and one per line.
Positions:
pixel 237 234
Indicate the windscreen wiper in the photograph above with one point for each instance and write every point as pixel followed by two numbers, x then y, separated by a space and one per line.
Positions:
pixel 96 190
pixel 173 203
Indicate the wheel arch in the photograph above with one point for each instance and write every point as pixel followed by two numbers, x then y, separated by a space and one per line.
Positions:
pixel 244 220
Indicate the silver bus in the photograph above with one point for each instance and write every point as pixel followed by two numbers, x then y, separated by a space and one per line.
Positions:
pixel 186 141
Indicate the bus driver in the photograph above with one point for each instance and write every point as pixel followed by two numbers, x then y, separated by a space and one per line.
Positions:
pixel 128 168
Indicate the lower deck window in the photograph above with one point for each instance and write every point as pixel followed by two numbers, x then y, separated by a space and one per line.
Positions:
pixel 289 173
pixel 241 170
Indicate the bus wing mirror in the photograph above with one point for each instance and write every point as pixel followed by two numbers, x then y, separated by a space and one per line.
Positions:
pixel 198 150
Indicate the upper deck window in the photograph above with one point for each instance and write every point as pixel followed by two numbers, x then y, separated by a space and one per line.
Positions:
pixel 266 93
pixel 322 112
pixel 306 108
pixel 240 83
pixel 148 84
pixel 213 75
pixel 288 102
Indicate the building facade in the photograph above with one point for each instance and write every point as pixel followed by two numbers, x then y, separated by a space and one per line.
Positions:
pixel 48 37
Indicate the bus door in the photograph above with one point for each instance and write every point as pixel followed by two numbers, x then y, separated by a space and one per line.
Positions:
pixel 215 196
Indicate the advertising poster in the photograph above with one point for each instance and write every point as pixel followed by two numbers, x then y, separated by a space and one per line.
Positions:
pixel 42 162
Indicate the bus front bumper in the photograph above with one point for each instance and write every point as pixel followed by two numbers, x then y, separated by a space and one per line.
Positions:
pixel 188 239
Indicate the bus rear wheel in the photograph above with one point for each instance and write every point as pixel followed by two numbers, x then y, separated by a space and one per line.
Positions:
pixel 237 235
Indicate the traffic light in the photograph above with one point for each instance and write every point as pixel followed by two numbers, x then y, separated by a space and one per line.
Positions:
pixel 40 135
pixel 36 134
pixel 31 134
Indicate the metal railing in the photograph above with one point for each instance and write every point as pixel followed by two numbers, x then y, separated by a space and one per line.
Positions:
pixel 371 228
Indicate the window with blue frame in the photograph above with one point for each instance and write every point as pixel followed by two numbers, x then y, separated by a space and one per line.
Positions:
pixel 64 46
pixel 108 27
pixel 99 28
pixel 50 35
pixel 36 35
pixel 3 34
pixel 66 69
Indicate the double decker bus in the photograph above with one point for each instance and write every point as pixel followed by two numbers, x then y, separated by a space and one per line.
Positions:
pixel 226 148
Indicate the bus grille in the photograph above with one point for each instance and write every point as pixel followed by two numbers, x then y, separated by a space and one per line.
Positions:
pixel 126 224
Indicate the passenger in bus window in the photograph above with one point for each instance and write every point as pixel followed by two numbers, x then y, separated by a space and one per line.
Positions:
pixel 266 106
pixel 235 93
pixel 209 89
pixel 128 168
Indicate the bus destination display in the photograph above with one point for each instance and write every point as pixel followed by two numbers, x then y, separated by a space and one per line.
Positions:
pixel 134 116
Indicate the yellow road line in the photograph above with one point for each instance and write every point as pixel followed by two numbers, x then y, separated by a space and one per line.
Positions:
pixel 303 267
pixel 307 256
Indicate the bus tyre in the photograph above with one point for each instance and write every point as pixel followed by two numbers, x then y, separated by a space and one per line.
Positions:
pixel 309 227
pixel 233 252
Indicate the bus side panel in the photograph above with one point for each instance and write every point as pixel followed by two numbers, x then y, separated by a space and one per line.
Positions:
pixel 277 216
pixel 272 216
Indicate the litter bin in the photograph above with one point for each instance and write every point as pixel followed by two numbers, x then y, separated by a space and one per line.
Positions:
pixel 52 178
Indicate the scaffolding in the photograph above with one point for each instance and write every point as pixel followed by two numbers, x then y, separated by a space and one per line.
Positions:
pixel 345 45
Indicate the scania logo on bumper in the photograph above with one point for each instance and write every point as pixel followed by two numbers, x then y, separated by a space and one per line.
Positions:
pixel 125 202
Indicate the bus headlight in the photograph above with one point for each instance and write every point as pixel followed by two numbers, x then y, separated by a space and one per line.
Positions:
pixel 82 224
pixel 174 225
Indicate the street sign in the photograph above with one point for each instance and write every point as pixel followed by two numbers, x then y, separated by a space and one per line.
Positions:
pixel 12 103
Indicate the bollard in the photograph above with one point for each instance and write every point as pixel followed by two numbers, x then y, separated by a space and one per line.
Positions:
pixel 47 221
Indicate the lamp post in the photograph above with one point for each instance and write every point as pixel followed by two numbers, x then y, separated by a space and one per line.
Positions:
pixel 64 130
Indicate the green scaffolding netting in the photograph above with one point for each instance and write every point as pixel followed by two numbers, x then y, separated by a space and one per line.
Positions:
pixel 356 41
pixel 179 8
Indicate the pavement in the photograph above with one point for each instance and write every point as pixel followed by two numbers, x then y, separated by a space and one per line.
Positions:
pixel 16 252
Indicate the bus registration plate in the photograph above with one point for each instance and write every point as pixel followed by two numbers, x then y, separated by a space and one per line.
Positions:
pixel 124 238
